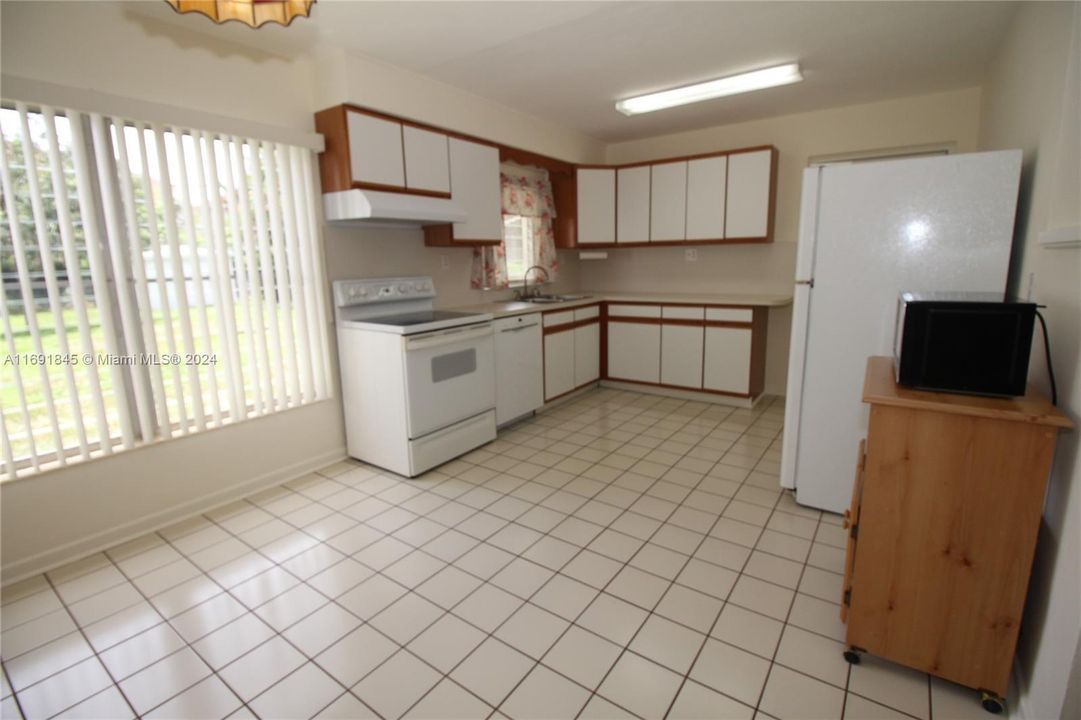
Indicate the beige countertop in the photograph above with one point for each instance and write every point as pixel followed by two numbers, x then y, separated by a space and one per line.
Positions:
pixel 515 307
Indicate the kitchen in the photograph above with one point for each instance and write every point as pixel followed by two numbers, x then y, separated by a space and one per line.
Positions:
pixel 961 97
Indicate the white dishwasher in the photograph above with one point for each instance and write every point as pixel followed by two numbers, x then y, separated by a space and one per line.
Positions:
pixel 519 367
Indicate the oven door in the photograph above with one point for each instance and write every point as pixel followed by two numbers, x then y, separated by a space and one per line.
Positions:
pixel 450 376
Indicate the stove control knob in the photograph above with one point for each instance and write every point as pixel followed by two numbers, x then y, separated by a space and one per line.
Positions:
pixel 363 292
pixel 403 288
pixel 352 292
pixel 426 286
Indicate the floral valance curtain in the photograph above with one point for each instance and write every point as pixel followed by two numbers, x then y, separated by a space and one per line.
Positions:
pixel 527 193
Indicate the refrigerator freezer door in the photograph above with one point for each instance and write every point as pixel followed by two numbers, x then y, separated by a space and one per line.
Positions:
pixel 808 223
pixel 924 224
pixel 801 307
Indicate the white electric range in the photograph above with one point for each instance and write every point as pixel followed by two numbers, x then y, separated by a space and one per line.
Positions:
pixel 418 384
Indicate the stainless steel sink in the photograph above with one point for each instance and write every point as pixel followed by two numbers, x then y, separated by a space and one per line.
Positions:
pixel 546 299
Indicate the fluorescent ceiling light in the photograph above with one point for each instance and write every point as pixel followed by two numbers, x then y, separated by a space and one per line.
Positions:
pixel 732 85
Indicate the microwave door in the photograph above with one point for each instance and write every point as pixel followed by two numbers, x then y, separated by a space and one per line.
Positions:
pixel 450 376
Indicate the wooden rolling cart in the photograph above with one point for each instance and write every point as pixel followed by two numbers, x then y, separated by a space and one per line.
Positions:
pixel 945 512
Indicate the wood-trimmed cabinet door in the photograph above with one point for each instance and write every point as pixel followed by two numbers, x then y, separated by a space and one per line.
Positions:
pixel 587 345
pixel 375 150
pixel 749 194
pixel 668 202
pixel 475 186
pixel 427 160
pixel 596 188
pixel 682 346
pixel 558 363
pixel 728 360
pixel 632 204
pixel 634 351
pixel 707 180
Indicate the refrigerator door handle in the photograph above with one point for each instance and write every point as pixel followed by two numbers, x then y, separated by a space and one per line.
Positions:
pixel 808 283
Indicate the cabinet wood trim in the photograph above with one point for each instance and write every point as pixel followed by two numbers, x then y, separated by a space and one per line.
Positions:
pixel 634 320
pixel 443 236
pixel 399 190
pixel 334 170
pixel 729 324
pixel 565 327
pixel 759 333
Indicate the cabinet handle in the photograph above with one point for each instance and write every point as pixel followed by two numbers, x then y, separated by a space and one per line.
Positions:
pixel 520 327
pixel 846 519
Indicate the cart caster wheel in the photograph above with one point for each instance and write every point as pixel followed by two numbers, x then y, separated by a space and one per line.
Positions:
pixel 852 657
pixel 992 703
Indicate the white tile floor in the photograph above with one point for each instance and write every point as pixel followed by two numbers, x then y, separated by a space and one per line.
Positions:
pixel 623 555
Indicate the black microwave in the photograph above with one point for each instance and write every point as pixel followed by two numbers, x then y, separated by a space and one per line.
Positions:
pixel 974 343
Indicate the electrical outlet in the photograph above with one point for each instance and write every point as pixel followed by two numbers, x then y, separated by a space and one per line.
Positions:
pixel 690 254
pixel 444 262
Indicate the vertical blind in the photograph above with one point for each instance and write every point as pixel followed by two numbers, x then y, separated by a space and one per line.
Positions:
pixel 157 281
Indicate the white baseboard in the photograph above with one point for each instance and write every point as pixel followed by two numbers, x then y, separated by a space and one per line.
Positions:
pixel 682 394
pixel 1016 706
pixel 75 550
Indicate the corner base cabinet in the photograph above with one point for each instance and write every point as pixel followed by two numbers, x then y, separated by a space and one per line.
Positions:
pixel 941 533
pixel 714 350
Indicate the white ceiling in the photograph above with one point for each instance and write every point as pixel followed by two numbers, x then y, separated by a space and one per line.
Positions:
pixel 570 61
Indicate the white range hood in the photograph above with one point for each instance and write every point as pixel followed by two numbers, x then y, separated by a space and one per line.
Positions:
pixel 384 208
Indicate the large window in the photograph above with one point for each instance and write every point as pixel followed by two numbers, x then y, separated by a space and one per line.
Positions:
pixel 518 241
pixel 157 281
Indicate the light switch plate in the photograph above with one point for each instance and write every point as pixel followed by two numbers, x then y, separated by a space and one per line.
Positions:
pixel 690 254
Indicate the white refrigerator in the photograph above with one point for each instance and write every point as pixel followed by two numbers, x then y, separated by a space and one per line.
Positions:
pixel 868 231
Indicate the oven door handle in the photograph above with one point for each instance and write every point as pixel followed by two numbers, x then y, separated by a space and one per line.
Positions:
pixel 446 337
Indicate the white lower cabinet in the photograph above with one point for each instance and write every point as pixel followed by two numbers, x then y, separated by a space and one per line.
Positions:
pixel 587 354
pixel 728 359
pixel 572 356
pixel 519 375
pixel 681 355
pixel 558 363
pixel 634 351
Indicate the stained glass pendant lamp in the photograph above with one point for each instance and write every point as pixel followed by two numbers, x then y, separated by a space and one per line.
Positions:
pixel 253 13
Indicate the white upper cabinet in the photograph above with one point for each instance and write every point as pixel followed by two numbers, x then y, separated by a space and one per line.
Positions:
pixel 427 160
pixel 375 150
pixel 749 182
pixel 668 202
pixel 474 185
pixel 706 179
pixel 632 204
pixel 596 205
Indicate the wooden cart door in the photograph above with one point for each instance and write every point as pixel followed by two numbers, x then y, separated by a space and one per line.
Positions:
pixel 851 523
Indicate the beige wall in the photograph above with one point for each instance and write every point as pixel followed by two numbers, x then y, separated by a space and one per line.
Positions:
pixel 341 77
pixel 1022 107
pixel 943 117
pixel 105 46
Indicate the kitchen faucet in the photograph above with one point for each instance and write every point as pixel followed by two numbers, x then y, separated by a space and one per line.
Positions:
pixel 524 292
